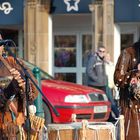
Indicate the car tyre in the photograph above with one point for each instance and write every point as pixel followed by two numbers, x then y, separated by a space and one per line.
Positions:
pixel 47 114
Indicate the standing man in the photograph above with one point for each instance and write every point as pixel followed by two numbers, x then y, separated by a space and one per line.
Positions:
pixel 126 78
pixel 96 76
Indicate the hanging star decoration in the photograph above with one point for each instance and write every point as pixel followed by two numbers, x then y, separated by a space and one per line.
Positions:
pixel 71 6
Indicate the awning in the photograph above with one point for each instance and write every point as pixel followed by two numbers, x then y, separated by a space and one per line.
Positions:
pixel 127 10
pixel 70 6
pixel 11 12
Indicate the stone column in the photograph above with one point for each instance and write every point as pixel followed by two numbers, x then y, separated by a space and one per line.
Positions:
pixel 98 27
pixel 103 19
pixel 36 32
pixel 108 26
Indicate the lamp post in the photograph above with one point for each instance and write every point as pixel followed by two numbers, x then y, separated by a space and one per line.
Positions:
pixel 38 102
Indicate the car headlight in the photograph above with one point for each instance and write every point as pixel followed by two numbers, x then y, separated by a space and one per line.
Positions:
pixel 76 99
pixel 96 97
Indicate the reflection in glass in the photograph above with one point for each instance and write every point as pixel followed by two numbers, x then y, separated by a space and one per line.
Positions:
pixel 65 51
pixel 84 79
pixel 13 35
pixel 126 40
pixel 70 77
pixel 86 48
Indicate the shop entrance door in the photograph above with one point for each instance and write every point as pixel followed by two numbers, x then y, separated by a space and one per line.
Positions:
pixel 70 56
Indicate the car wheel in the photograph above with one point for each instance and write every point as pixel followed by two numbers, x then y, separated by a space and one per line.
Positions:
pixel 47 114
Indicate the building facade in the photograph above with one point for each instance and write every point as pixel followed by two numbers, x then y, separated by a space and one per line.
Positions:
pixel 59 35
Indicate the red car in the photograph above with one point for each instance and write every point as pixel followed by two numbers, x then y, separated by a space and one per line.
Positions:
pixel 73 101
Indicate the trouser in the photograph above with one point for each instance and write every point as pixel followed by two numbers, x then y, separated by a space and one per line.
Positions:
pixel 114 107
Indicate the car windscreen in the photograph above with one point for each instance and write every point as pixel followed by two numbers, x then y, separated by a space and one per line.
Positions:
pixel 44 75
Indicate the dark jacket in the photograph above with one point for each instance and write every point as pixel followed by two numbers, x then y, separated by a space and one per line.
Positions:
pixel 95 71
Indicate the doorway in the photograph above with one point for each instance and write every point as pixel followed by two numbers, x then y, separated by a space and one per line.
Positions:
pixel 71 53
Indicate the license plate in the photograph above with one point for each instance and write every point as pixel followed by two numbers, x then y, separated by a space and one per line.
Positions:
pixel 100 109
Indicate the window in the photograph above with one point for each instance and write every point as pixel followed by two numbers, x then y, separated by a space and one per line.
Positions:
pixel 13 35
pixel 65 51
pixel 86 48
pixel 126 40
pixel 71 53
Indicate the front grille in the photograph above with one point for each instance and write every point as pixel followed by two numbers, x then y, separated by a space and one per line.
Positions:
pixel 99 116
pixel 83 116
